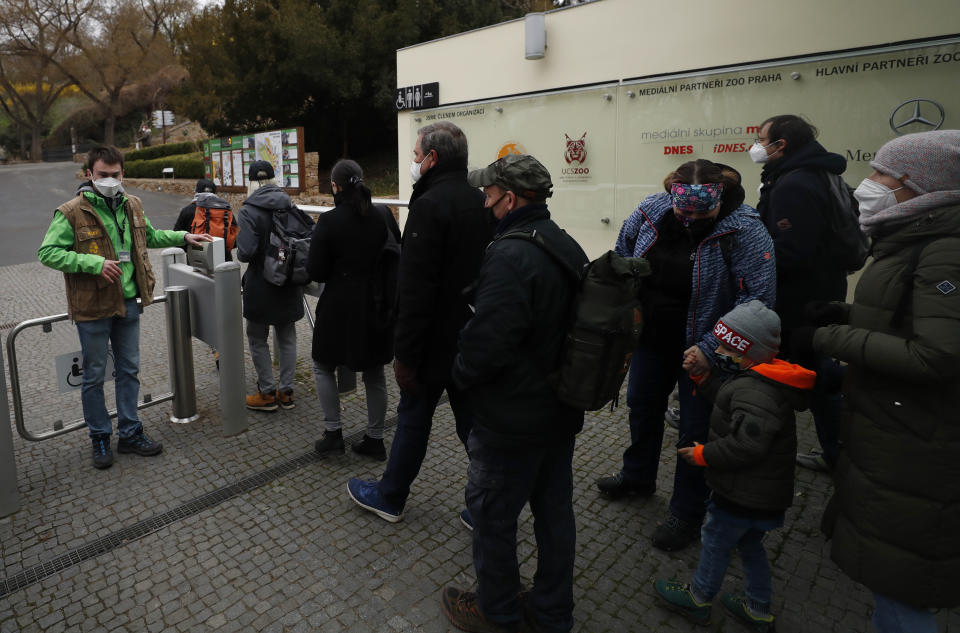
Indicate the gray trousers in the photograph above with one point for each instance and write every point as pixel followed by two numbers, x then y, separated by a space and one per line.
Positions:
pixel 257 334
pixel 375 384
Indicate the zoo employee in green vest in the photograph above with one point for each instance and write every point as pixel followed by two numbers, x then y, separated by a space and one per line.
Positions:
pixel 99 241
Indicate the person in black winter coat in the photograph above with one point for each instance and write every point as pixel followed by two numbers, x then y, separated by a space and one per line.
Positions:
pixel 795 204
pixel 444 239
pixel 347 255
pixel 521 444
pixel 265 304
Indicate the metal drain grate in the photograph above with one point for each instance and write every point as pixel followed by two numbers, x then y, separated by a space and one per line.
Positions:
pixel 147 526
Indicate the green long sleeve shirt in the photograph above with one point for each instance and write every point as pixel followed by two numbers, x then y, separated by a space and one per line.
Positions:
pixel 57 252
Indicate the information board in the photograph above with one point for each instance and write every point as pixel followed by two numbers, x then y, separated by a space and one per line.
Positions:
pixel 227 159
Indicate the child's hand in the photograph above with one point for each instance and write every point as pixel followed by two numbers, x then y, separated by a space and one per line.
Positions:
pixel 687 454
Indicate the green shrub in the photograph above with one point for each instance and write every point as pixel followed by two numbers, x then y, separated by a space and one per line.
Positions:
pixel 157 151
pixel 184 166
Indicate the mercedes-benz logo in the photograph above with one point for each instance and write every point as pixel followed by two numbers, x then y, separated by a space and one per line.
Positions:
pixel 913 111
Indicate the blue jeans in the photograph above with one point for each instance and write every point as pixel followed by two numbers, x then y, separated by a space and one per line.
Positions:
pixel 499 483
pixel 123 334
pixel 723 532
pixel 653 375
pixel 892 616
pixel 414 421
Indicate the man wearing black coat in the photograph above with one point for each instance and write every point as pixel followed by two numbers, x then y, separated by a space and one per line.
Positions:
pixel 795 204
pixel 521 444
pixel 444 239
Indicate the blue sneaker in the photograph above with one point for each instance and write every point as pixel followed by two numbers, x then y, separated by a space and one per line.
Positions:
pixel 466 519
pixel 366 494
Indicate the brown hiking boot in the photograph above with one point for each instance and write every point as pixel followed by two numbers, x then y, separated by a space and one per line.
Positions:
pixel 286 399
pixel 463 610
pixel 262 401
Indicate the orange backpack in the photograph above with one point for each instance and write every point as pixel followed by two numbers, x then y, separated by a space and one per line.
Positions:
pixel 214 216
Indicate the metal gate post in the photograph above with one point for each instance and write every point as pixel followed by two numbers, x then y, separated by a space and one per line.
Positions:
pixel 180 351
pixel 172 255
pixel 9 495
pixel 233 385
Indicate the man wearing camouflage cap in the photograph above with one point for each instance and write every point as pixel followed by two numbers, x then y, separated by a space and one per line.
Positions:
pixel 521 443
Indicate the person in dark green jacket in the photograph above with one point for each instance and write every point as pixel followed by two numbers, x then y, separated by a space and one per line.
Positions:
pixel 749 461
pixel 99 241
pixel 895 514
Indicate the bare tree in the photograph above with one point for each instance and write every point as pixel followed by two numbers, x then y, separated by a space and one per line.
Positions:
pixel 118 44
pixel 34 38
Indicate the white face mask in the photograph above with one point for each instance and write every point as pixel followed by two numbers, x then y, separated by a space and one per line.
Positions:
pixel 415 169
pixel 108 187
pixel 758 152
pixel 874 196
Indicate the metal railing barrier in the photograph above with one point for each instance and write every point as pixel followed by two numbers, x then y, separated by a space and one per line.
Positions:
pixel 46 323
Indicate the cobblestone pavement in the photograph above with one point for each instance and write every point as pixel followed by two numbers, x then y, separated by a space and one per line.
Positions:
pixel 295 554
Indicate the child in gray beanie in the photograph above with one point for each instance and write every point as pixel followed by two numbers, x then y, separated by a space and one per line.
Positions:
pixel 749 460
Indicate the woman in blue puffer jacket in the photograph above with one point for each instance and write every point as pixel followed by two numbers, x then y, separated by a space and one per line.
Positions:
pixel 708 252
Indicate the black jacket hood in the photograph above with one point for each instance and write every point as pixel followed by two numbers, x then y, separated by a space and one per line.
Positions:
pixel 813 155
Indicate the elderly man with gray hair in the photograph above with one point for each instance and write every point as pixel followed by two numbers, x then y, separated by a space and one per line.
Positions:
pixel 444 239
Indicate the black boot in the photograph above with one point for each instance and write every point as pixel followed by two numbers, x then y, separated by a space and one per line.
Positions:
pixel 372 448
pixel 331 442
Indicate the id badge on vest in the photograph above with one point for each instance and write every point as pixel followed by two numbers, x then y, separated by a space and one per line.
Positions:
pixel 124 256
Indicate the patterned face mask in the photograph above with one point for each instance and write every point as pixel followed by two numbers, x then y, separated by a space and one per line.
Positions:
pixel 696 198
pixel 729 364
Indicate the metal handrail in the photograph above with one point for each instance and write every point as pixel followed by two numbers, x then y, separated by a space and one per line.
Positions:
pixel 15 381
pixel 390 202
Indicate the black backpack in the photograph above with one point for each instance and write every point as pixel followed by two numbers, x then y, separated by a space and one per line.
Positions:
pixel 603 326
pixel 286 256
pixel 849 246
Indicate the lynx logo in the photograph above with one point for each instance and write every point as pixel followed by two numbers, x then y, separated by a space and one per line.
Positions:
pixel 576 149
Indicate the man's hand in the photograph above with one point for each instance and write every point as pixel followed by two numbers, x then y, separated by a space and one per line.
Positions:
pixel 687 454
pixel 194 239
pixel 406 376
pixel 111 270
pixel 694 361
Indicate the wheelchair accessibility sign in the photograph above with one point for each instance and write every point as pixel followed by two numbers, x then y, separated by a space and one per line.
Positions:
pixel 70 370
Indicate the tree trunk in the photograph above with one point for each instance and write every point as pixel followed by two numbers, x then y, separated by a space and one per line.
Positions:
pixel 36 134
pixel 109 123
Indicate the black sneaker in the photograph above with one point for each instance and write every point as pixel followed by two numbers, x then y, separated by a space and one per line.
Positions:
pixel 675 533
pixel 102 455
pixel 139 444
pixel 617 486
pixel 371 448
pixel 331 442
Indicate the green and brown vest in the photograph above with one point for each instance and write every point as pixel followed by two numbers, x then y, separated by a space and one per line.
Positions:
pixel 91 297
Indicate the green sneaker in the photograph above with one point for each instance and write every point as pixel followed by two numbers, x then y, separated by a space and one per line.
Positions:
pixel 676 596
pixel 736 605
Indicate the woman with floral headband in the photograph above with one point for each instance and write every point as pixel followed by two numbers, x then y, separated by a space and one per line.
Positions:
pixel 708 252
